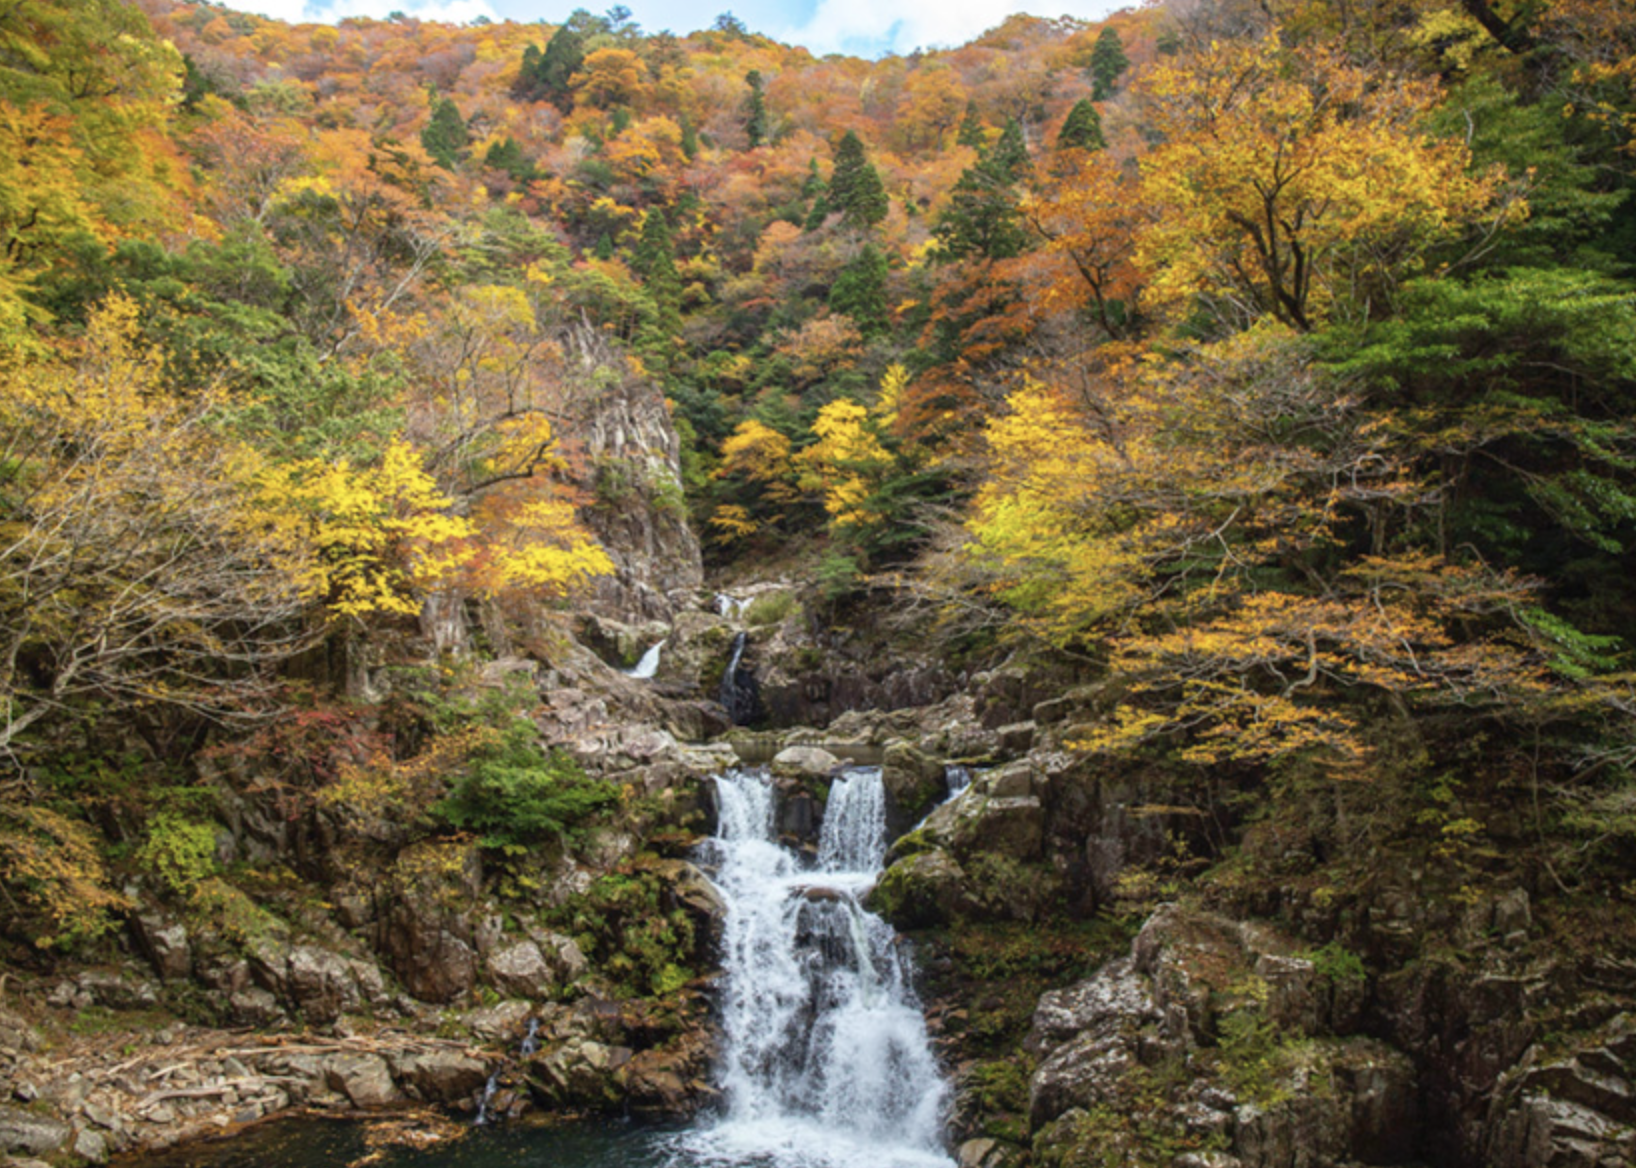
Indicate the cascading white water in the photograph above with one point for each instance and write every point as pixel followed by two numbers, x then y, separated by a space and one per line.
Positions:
pixel 826 1060
pixel 649 664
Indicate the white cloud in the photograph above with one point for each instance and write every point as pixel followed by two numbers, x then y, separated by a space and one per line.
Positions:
pixel 329 11
pixel 899 26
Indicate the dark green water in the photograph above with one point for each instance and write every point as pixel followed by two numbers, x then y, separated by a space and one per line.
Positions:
pixel 335 1144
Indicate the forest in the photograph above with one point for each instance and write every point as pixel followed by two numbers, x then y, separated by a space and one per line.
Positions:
pixel 1268 369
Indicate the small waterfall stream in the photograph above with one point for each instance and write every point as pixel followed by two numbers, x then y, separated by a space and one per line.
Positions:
pixel 826 1060
pixel 644 669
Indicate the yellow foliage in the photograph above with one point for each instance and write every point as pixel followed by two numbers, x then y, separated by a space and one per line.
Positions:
pixel 847 463
pixel 759 454
pixel 1293 181
pixel 1154 516
pixel 371 537
pixel 732 522
pixel 55 869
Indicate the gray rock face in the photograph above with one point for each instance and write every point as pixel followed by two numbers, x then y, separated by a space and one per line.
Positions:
pixel 439 1076
pixel 1261 1076
pixel 1573 1111
pixel 364 1079
pixel 31 1134
pixel 636 455
pixel 521 971
pixel 914 784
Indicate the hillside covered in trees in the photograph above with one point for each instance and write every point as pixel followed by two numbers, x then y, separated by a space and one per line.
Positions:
pixel 1233 404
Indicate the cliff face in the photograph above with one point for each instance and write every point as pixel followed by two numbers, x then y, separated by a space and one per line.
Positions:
pixel 634 477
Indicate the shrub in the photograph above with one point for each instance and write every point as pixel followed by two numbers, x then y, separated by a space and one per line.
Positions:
pixel 513 794
pixel 180 851
pixel 770 608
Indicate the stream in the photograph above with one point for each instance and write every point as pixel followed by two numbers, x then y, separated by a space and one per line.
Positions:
pixel 826 1061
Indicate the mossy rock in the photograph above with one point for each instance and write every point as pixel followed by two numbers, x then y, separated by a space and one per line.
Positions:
pixel 921 892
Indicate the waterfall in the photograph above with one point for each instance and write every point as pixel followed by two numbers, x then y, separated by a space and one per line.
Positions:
pixel 483 1104
pixel 958 779
pixel 738 686
pixel 826 1061
pixel 649 665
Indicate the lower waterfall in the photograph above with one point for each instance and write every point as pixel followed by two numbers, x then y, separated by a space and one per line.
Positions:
pixel 826 1061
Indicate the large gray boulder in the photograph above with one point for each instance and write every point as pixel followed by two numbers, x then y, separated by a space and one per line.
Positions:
pixel 29 1133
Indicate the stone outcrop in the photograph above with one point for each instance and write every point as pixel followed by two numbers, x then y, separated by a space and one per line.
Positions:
pixel 1177 1045
pixel 182 1084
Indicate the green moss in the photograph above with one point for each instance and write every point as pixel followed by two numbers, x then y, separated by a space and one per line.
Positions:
pixel 631 931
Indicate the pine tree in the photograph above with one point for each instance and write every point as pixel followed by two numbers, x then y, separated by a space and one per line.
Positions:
pixel 1108 61
pixel 445 136
pixel 855 188
pixel 654 260
pixel 971 129
pixel 860 292
pixel 984 217
pixel 508 156
pixel 1082 130
pixel 755 109
pixel 545 76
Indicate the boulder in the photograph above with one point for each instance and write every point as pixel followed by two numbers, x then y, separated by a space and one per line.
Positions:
pixel 165 941
pixel 504 1022
pixel 91 1146
pixel 1013 827
pixel 16 1035
pixel 29 1133
pixel 923 891
pixel 804 761
pixel 522 971
pixel 914 783
pixel 439 1076
pixel 580 1072
pixel 365 1079
pixel 320 983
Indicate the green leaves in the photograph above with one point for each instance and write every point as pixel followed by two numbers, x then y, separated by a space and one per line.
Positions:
pixel 515 795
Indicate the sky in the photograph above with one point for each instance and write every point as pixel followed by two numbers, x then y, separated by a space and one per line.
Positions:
pixel 864 27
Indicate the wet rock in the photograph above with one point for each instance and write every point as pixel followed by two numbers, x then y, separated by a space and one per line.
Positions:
pixel 914 784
